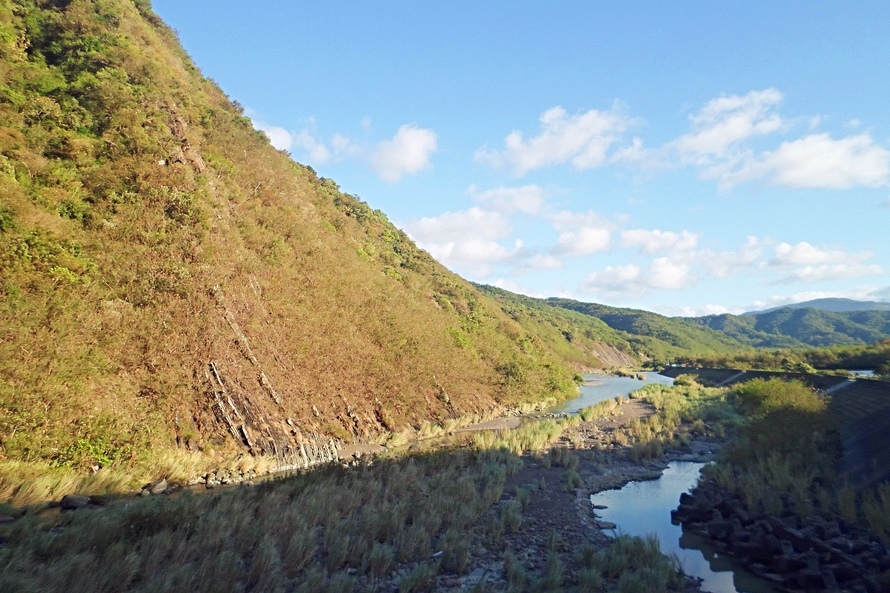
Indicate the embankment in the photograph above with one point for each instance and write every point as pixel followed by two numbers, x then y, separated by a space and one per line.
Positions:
pixel 860 408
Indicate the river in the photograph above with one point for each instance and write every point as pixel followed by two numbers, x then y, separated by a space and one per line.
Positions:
pixel 597 388
pixel 641 508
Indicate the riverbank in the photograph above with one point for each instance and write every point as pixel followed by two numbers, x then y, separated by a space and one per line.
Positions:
pixel 559 526
pixel 488 515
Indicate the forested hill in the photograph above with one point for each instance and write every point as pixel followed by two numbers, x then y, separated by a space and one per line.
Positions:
pixel 831 304
pixel 169 279
pixel 792 328
pixel 660 338
pixel 781 328
pixel 648 336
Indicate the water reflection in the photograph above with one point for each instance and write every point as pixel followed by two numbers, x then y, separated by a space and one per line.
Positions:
pixel 640 508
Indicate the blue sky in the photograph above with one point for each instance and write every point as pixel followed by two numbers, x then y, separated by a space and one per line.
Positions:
pixel 682 157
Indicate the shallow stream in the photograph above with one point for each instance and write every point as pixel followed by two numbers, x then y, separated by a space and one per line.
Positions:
pixel 598 388
pixel 641 508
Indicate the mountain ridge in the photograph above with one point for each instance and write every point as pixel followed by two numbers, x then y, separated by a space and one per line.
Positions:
pixel 834 304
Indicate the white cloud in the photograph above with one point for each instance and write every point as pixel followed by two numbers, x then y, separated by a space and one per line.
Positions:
pixel 278 137
pixel 580 233
pixel 584 240
pixel 823 272
pixel 567 220
pixel 635 153
pixel 668 275
pixel 723 264
pixel 466 240
pixel 632 281
pixel 407 152
pixel 318 152
pixel 512 286
pixel 477 256
pixel 818 161
pixel 617 280
pixel 343 145
pixel 527 198
pixel 458 226
pixel 725 122
pixel 718 143
pixel 654 241
pixel 802 254
pixel 544 262
pixel 582 140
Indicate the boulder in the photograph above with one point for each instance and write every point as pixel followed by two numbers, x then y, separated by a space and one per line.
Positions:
pixel 719 529
pixel 158 486
pixel 810 579
pixel 71 502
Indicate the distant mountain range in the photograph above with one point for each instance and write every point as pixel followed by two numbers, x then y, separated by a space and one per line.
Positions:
pixel 650 335
pixel 831 304
pixel 791 327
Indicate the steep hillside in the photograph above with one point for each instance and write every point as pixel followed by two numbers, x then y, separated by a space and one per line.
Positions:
pixel 637 335
pixel 167 278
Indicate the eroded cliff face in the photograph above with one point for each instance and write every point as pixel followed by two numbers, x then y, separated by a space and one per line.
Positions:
pixel 612 357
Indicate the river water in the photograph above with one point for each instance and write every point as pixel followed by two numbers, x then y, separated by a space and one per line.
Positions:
pixel 641 508
pixel 597 388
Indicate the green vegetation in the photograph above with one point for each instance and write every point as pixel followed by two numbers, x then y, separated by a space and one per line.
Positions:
pixel 659 339
pixel 171 282
pixel 654 336
pixel 873 357
pixel 784 459
pixel 323 529
pixel 638 564
pixel 795 328
pixel 582 339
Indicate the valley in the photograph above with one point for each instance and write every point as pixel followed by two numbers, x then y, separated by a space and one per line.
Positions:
pixel 220 371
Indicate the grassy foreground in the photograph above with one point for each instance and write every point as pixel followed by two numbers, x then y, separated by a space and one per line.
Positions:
pixel 407 522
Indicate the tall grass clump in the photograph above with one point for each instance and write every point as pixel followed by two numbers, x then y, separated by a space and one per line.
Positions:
pixel 638 564
pixel 315 531
pixel 531 436
pixel 783 459
pixel 602 409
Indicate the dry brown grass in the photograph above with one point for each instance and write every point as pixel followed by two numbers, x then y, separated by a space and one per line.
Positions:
pixel 121 280
pixel 316 527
